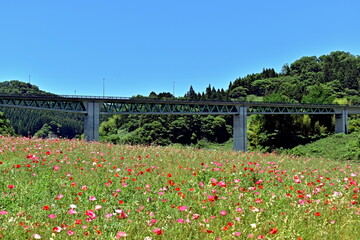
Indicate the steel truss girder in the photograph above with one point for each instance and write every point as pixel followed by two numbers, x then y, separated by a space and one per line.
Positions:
pixel 165 108
pixel 289 110
pixel 54 105
pixel 111 105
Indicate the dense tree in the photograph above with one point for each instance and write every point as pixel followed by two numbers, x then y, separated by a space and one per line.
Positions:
pixel 318 94
pixel 239 92
pixel 191 94
pixel 5 126
pixel 16 87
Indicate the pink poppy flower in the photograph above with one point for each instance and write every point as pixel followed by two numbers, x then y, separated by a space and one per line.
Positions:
pixel 72 211
pixel 195 216
pixel 59 196
pixel 3 212
pixel 223 213
pixel 91 214
pixel 92 198
pixel 52 216
pixel 239 209
pixel 120 234
pixel 221 184
pixel 182 208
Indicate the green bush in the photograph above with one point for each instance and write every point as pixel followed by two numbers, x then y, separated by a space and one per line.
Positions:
pixel 338 147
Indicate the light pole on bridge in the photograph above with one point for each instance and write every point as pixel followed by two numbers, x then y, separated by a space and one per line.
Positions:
pixel 103 87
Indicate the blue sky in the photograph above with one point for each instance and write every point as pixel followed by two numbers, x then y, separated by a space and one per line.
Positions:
pixel 141 46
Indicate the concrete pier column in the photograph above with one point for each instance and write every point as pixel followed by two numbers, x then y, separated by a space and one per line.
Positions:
pixel 92 121
pixel 240 130
pixel 341 122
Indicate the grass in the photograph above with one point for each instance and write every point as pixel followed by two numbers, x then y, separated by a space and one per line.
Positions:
pixel 338 147
pixel 62 189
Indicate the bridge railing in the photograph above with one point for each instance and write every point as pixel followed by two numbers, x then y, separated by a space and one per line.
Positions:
pixel 94 97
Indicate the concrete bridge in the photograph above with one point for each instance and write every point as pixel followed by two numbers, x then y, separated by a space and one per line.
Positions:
pixel 93 106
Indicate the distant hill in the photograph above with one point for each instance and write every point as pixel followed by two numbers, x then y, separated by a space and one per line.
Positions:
pixel 16 87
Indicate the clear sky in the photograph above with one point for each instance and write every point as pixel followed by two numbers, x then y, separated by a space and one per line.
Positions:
pixel 139 46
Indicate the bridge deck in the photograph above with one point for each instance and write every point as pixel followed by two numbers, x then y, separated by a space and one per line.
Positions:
pixel 120 105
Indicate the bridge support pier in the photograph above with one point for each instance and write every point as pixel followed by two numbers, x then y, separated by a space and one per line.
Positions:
pixel 240 130
pixel 341 122
pixel 92 121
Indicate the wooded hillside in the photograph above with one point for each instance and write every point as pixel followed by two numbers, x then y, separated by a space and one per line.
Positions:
pixel 28 122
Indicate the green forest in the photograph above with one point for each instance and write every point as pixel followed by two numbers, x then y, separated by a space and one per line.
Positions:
pixel 328 79
pixel 28 122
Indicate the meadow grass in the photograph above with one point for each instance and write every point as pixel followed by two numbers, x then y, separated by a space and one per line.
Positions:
pixel 70 189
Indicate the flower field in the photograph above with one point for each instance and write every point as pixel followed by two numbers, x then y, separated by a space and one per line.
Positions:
pixel 70 189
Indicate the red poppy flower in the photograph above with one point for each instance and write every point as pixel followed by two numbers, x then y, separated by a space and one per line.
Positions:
pixel 273 230
pixel 46 207
pixel 157 231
